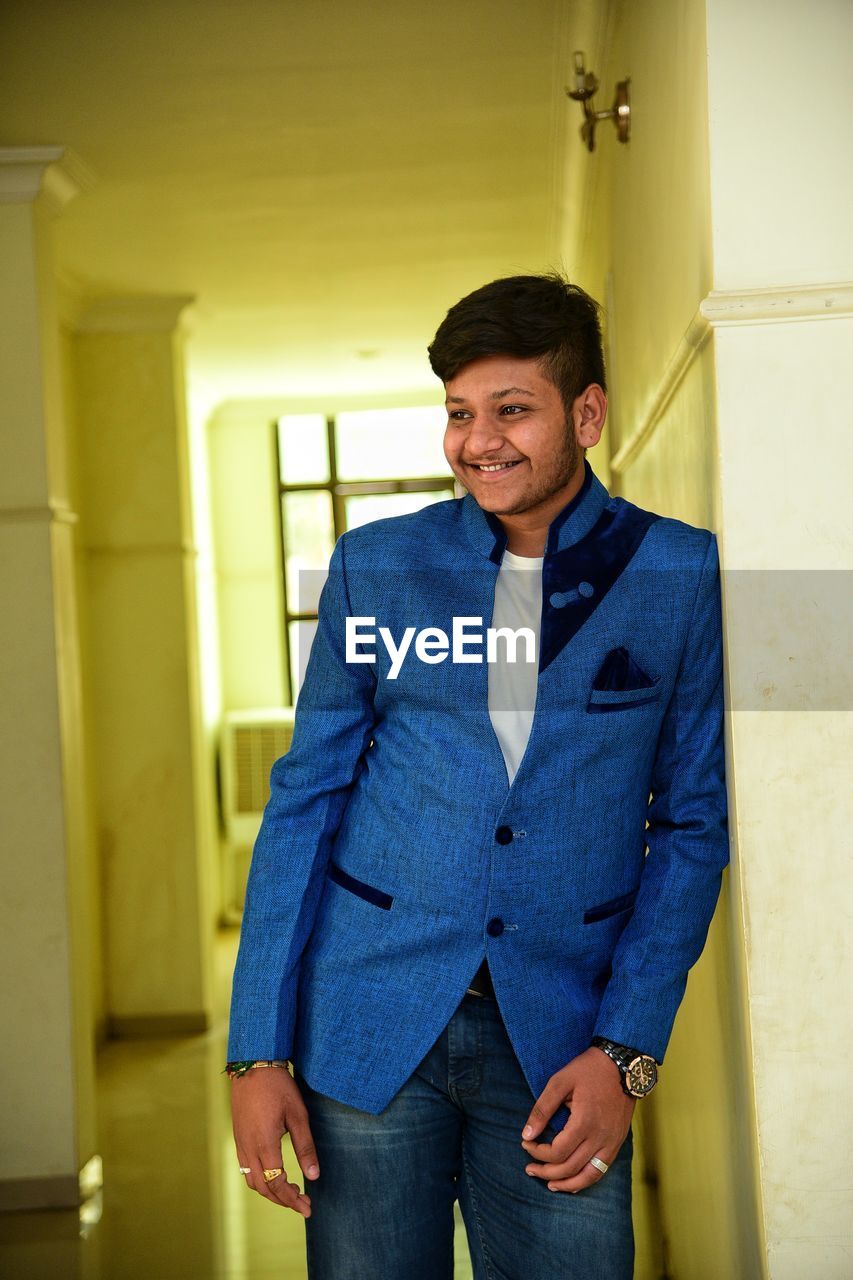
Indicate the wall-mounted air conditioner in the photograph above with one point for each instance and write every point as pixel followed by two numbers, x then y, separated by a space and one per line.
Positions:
pixel 250 743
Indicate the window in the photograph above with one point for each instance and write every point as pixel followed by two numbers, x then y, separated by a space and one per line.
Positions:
pixel 335 473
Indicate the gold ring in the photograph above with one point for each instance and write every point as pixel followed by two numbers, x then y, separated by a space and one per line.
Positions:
pixel 271 1174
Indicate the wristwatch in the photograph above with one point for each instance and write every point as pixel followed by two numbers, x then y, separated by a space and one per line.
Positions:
pixel 638 1071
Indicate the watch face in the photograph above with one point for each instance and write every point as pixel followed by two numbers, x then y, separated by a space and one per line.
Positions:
pixel 641 1076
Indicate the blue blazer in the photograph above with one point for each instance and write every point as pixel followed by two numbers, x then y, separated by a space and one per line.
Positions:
pixel 394 854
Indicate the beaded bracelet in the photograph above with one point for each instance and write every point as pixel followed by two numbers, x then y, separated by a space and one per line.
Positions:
pixel 233 1069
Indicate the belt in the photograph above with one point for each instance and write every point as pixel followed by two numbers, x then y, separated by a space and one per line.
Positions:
pixel 481 983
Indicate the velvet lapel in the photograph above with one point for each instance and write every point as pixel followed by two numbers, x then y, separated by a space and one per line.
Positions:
pixel 576 579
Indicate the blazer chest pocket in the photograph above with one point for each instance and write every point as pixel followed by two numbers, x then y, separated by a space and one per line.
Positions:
pixel 621 699
pixel 613 907
pixel 359 887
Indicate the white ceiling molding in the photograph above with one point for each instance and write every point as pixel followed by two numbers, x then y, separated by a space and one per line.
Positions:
pixel 55 172
pixel 723 308
pixel 132 315
pixel 53 511
pixel 761 306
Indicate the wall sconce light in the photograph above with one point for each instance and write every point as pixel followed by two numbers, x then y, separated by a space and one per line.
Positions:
pixel 586 84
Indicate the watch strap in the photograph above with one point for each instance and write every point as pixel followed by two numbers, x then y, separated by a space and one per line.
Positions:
pixel 621 1054
pixel 624 1056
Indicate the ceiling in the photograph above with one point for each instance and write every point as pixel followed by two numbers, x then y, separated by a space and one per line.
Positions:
pixel 325 178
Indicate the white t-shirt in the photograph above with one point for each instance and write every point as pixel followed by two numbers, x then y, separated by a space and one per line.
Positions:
pixel 512 685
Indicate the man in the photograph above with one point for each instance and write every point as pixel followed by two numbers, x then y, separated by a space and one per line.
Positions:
pixel 467 925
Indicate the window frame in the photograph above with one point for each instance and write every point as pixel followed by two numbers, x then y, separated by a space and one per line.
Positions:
pixel 339 490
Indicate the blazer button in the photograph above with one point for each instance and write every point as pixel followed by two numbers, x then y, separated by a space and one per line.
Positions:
pixel 503 835
pixel 495 927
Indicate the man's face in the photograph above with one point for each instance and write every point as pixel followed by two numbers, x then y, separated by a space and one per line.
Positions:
pixel 503 409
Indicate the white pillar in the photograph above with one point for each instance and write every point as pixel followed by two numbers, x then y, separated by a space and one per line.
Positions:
pixel 136 532
pixel 782 312
pixel 46 928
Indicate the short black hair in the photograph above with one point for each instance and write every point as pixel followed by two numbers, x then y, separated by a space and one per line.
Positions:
pixel 526 316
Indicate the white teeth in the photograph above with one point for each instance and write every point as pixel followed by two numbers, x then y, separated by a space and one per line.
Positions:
pixel 497 466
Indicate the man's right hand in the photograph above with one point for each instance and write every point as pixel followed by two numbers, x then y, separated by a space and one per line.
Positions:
pixel 265 1105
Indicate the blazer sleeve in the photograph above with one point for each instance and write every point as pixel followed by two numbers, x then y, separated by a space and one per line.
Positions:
pixel 687 840
pixel 309 789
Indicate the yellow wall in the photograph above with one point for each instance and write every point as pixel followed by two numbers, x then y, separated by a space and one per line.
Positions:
pixel 249 592
pixel 642 245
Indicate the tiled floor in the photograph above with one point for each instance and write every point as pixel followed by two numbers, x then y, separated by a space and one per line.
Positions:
pixel 173 1206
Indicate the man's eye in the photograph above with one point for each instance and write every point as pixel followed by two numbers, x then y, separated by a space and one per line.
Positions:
pixel 457 414
pixel 513 408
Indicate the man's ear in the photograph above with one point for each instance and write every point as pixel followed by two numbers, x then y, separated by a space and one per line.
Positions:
pixel 589 411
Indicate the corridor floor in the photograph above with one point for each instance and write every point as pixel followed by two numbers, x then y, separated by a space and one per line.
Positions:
pixel 173 1205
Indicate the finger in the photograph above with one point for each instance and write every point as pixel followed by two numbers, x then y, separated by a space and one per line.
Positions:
pixel 257 1181
pixel 270 1157
pixel 254 1178
pixel 570 1168
pixel 286 1193
pixel 279 1190
pixel 243 1164
pixel 568 1139
pixel 587 1177
pixel 302 1142
pixel 561 1147
pixel 544 1107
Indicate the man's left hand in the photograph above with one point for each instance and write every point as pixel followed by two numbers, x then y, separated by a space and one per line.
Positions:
pixel 598 1125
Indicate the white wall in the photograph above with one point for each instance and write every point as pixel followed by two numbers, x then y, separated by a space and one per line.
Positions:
pixel 781 191
pixel 780 103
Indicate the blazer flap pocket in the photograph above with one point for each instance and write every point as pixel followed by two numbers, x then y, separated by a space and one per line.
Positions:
pixel 615 699
pixel 610 908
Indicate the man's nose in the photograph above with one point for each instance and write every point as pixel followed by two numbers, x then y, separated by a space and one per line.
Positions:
pixel 483 437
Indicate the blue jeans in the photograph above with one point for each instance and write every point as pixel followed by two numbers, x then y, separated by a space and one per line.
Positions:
pixel 382 1208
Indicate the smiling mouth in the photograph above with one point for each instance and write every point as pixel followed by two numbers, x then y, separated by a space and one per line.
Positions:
pixel 494 466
